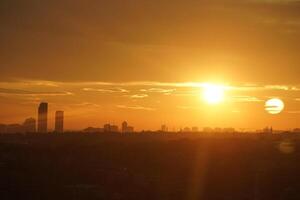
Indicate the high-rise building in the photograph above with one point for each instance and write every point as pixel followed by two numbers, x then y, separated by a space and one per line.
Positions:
pixel 124 127
pixel 42 117
pixel 164 128
pixel 108 128
pixel 29 125
pixel 59 121
pixel 114 129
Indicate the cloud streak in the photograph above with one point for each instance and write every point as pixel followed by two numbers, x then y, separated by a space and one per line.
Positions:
pixel 117 90
pixel 139 96
pixel 245 99
pixel 5 91
pixel 136 108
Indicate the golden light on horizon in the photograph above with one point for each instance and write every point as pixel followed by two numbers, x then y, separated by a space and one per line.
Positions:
pixel 213 94
pixel 274 106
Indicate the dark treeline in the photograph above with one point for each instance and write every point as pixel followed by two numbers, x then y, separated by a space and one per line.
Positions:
pixel 149 166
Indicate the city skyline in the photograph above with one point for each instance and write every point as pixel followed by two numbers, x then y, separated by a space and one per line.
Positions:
pixel 149 99
pixel 150 104
pixel 31 125
pixel 194 63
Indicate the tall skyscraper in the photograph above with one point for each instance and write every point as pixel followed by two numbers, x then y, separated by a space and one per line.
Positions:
pixel 164 128
pixel 124 127
pixel 42 117
pixel 59 121
pixel 29 125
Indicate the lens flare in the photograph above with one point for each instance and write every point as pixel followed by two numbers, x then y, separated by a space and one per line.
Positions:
pixel 274 106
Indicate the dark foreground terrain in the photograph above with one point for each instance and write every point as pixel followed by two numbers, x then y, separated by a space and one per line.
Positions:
pixel 95 166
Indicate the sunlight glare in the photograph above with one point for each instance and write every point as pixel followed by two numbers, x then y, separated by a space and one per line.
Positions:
pixel 213 94
pixel 274 106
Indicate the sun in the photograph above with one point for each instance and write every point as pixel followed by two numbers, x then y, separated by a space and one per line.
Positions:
pixel 213 94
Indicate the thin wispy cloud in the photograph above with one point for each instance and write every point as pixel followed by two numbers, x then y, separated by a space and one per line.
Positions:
pixel 154 86
pixel 4 91
pixel 245 99
pixel 117 90
pixel 136 108
pixel 187 107
pixel 86 104
pixel 294 112
pixel 139 96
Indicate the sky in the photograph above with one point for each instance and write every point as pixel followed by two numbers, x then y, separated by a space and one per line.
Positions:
pixel 146 61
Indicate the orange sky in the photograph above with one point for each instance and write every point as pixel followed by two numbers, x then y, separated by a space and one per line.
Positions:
pixel 106 61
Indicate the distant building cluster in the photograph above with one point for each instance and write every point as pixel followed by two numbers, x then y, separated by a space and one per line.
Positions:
pixel 30 125
pixel 110 128
pixel 268 130
pixel 195 129
pixel 126 128
pixel 218 130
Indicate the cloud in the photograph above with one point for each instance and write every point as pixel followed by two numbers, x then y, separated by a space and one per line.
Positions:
pixel 139 96
pixel 136 107
pixel 264 87
pixel 176 88
pixel 277 87
pixel 5 91
pixel 245 99
pixel 13 91
pixel 86 104
pixel 294 112
pixel 138 83
pixel 117 90
pixel 41 83
pixel 188 108
pixel 159 90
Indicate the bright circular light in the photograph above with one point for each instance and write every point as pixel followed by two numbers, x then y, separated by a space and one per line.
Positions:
pixel 213 94
pixel 274 106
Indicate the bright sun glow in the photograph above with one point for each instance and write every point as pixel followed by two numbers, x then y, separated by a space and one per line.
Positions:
pixel 213 94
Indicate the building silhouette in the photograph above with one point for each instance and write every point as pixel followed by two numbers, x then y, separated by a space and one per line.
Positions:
pixel 2 128
pixel 42 117
pixel 14 128
pixel 29 125
pixel 164 128
pixel 268 130
pixel 195 129
pixel 186 130
pixel 114 128
pixel 93 130
pixel 126 128
pixel 59 121
pixel 108 128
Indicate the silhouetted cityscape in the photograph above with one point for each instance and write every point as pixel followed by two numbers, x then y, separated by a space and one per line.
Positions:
pixel 149 99
pixel 30 125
